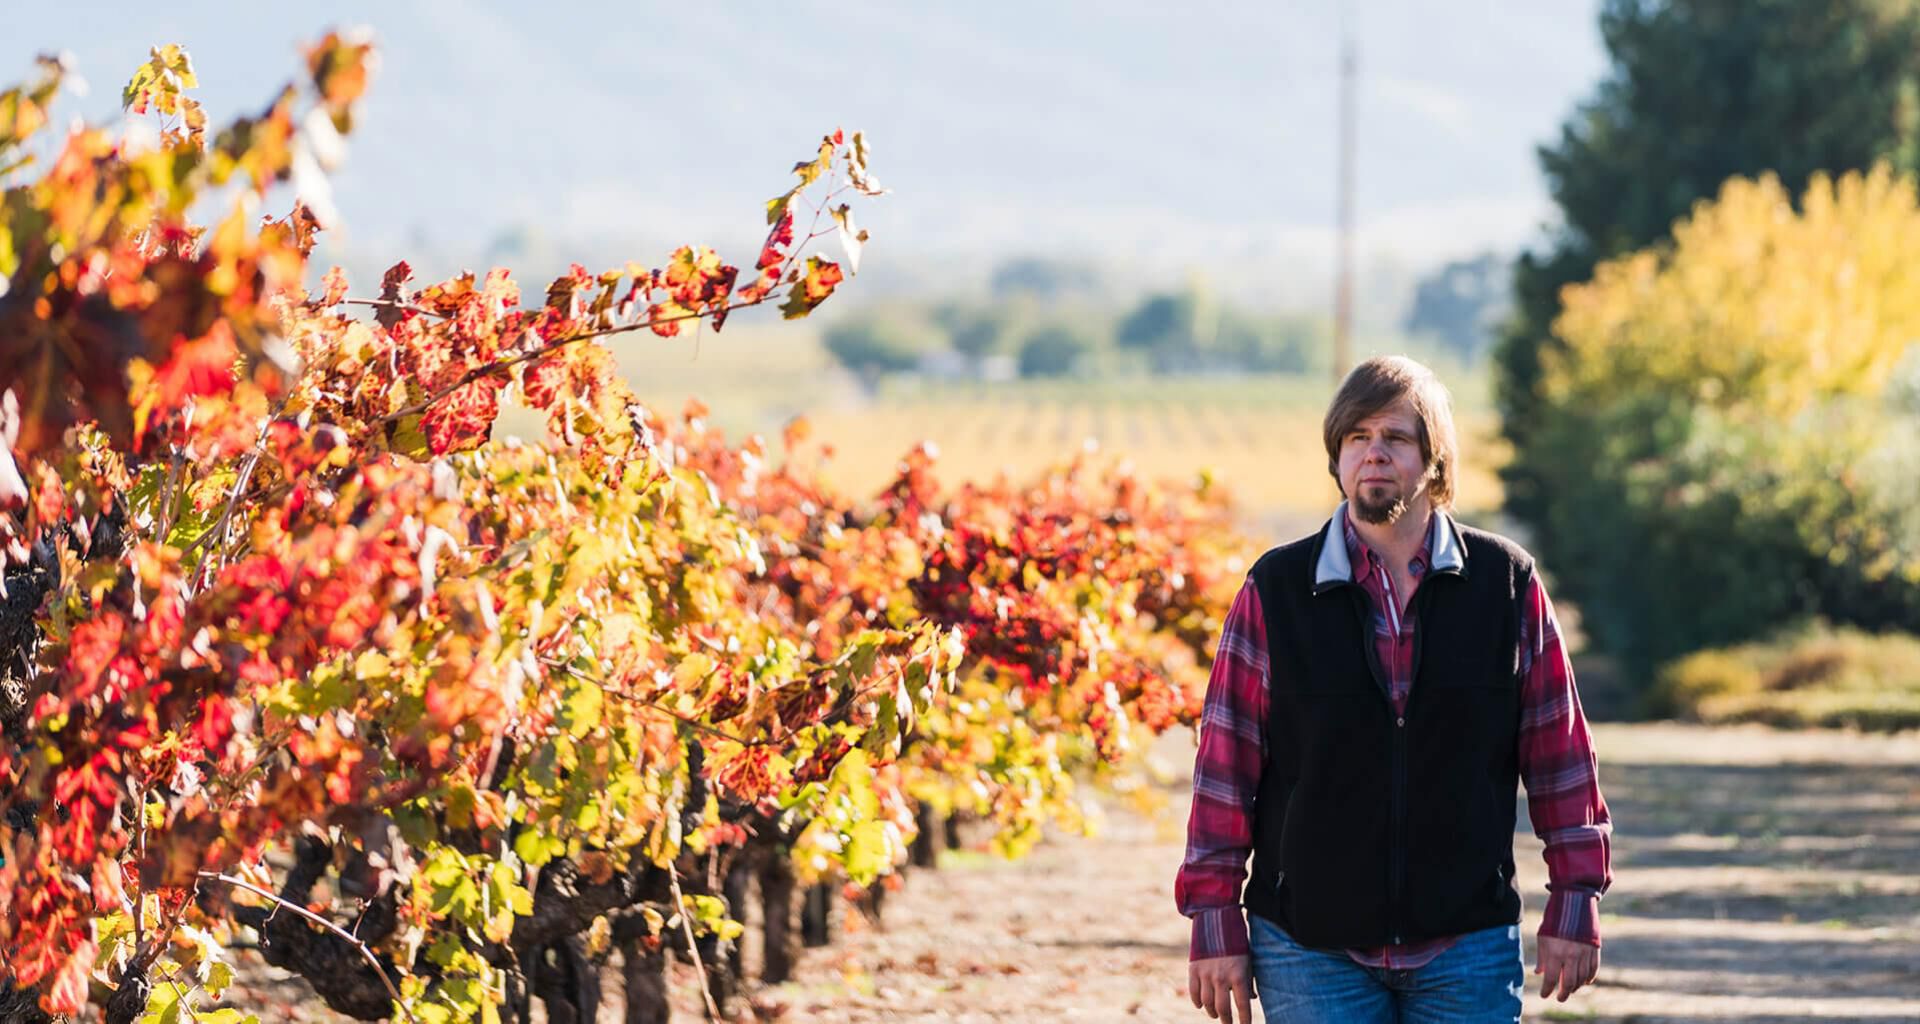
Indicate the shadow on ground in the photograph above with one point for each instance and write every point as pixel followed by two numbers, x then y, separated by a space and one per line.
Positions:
pixel 1758 876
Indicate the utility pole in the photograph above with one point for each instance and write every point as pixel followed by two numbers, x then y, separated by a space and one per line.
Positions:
pixel 1343 270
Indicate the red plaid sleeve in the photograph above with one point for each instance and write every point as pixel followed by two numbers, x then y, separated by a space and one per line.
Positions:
pixel 1563 785
pixel 1226 775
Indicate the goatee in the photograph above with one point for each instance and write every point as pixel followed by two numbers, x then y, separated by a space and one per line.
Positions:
pixel 1379 513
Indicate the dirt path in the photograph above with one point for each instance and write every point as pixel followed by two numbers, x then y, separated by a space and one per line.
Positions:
pixel 1759 876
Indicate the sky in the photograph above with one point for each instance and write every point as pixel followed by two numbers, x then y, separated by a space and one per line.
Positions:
pixel 1154 141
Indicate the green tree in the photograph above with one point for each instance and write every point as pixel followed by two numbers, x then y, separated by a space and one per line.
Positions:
pixel 873 344
pixel 1055 350
pixel 1460 304
pixel 1731 418
pixel 1164 329
pixel 975 330
pixel 1268 344
pixel 1700 91
pixel 1190 330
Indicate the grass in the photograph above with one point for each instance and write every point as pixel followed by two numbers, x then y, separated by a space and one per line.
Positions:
pixel 1812 677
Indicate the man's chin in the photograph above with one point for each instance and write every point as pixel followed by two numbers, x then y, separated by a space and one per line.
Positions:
pixel 1384 513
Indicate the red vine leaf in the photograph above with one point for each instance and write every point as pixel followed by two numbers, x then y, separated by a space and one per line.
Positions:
pixel 464 418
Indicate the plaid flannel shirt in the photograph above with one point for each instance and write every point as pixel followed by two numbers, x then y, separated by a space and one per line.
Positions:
pixel 1556 760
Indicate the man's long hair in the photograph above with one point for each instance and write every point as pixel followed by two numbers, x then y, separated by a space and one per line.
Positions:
pixel 1375 386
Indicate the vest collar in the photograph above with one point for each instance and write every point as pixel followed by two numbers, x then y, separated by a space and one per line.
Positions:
pixel 1333 568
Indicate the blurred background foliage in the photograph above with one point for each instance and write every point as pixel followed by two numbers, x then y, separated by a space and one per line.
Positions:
pixel 1189 331
pixel 1708 373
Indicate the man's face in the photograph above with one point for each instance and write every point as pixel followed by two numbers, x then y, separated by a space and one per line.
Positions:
pixel 1381 470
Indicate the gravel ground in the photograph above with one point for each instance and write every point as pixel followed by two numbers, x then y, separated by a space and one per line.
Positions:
pixel 1759 876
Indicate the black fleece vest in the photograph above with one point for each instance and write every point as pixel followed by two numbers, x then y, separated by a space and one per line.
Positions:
pixel 1371 828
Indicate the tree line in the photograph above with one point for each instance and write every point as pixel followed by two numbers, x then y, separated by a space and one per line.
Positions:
pixel 1708 376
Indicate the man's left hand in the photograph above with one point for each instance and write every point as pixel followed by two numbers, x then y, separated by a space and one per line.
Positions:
pixel 1567 964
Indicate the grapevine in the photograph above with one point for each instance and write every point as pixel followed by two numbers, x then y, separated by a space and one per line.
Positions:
pixel 297 651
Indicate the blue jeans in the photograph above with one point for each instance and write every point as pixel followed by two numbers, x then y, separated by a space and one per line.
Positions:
pixel 1479 978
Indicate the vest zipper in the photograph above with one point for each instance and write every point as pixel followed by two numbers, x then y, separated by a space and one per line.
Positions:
pixel 1396 855
pixel 1396 867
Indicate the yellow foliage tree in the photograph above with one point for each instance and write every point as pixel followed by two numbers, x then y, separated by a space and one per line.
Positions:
pixel 1756 303
pixel 1732 418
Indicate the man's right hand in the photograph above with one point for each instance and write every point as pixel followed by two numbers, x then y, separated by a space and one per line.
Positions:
pixel 1223 986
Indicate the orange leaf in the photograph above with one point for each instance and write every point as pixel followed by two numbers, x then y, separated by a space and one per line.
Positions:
pixel 821 278
pixel 665 318
pixel 333 287
pixel 339 67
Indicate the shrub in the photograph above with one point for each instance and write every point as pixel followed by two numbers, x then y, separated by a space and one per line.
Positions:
pixel 1813 677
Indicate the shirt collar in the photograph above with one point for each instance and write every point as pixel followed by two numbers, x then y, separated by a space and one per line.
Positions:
pixel 1444 551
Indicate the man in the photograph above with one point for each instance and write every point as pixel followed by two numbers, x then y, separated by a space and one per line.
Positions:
pixel 1381 687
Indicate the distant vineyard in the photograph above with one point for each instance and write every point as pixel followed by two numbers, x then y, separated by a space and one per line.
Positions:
pixel 1258 435
pixel 1266 454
